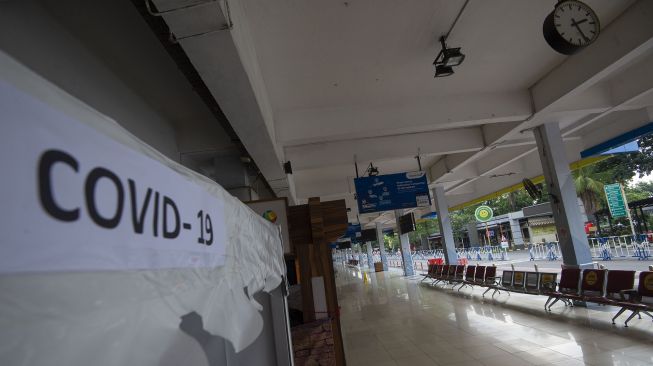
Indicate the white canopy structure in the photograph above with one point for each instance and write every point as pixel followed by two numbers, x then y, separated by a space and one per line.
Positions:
pixel 107 244
pixel 339 82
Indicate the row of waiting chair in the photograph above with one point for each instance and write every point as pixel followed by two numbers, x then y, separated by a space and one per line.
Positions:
pixel 606 287
pixel 532 283
pixel 461 275
pixel 485 276
pixel 616 288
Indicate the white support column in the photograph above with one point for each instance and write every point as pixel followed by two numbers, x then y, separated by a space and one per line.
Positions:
pixel 379 240
pixel 370 258
pixel 517 237
pixel 360 255
pixel 564 203
pixel 405 248
pixel 442 208
pixel 473 234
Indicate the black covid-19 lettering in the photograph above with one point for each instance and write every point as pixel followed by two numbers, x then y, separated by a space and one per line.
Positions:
pixel 162 209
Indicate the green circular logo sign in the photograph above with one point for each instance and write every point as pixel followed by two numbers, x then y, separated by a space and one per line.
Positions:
pixel 483 213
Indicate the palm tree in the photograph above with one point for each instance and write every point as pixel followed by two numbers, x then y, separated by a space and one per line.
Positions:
pixel 589 190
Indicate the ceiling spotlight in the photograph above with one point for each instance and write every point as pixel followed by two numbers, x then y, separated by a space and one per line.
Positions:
pixel 452 57
pixel 372 171
pixel 287 167
pixel 446 59
pixel 442 71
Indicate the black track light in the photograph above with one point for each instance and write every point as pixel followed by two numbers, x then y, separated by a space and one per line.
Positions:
pixel 447 59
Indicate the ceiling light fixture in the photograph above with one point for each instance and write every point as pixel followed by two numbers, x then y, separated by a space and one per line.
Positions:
pixel 447 59
pixel 442 71
pixel 372 171
pixel 502 175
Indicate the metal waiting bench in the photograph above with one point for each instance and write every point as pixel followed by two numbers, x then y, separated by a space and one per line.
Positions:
pixel 461 275
pixel 607 287
pixel 600 286
pixel 525 282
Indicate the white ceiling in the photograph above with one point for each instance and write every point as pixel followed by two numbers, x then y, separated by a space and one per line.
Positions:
pixel 331 54
pixel 345 81
pixel 133 53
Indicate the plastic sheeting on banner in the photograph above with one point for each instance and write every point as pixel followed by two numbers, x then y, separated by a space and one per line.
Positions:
pixel 125 313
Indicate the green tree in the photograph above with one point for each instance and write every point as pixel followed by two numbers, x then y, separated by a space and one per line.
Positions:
pixel 510 202
pixel 423 228
pixel 639 191
pixel 460 218
pixel 589 189
pixel 623 167
pixel 391 242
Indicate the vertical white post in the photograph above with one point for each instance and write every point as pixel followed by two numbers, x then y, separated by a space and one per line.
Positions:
pixel 517 236
pixel 380 241
pixel 630 219
pixel 370 259
pixel 442 208
pixel 564 203
pixel 405 248
pixel 473 234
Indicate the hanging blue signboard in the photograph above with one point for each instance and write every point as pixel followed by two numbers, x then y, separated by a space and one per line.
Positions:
pixel 430 215
pixel 389 232
pixel 392 192
pixel 353 232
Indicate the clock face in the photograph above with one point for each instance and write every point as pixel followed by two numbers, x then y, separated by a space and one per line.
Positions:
pixel 576 23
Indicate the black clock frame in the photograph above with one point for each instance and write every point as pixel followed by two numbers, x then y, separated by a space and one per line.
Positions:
pixel 554 39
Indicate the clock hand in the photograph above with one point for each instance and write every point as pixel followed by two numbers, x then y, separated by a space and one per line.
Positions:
pixel 575 24
pixel 578 22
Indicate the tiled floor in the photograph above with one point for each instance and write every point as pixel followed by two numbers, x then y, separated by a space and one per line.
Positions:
pixel 392 320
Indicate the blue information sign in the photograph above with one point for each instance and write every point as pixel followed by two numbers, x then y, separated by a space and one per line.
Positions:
pixel 392 192
pixel 353 232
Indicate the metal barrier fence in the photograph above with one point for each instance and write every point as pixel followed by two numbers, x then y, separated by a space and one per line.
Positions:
pixel 625 246
pixel 486 253
pixel 544 251
pixel 605 248
pixel 421 257
pixel 395 260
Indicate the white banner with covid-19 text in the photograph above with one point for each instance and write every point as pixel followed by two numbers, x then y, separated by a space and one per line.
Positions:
pixel 74 199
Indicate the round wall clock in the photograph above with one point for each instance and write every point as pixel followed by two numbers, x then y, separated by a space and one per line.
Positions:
pixel 571 26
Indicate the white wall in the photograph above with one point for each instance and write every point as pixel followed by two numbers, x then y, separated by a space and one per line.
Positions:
pixel 537 235
pixel 32 36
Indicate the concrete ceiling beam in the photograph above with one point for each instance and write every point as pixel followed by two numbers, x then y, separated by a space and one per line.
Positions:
pixel 297 127
pixel 573 84
pixel 220 48
pixel 444 166
pixel 314 155
pixel 626 38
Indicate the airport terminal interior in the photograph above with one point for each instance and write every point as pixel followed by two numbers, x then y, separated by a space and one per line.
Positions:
pixel 326 182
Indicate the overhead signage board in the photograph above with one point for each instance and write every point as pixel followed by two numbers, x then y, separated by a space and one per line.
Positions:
pixel 389 232
pixel 430 215
pixel 343 245
pixel 368 235
pixel 616 202
pixel 483 213
pixel 392 192
pixel 407 223
pixel 353 233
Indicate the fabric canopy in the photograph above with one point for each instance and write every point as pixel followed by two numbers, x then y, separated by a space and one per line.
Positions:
pixel 93 292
